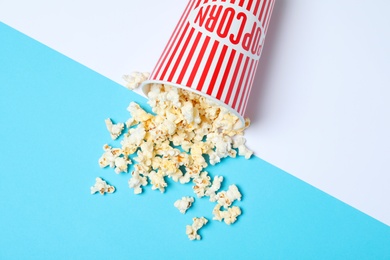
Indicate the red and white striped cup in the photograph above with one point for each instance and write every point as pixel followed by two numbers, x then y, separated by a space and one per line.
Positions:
pixel 215 49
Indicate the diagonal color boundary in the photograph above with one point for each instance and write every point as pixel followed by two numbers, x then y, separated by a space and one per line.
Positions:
pixel 53 110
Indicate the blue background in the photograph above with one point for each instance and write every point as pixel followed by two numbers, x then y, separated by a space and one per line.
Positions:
pixel 52 131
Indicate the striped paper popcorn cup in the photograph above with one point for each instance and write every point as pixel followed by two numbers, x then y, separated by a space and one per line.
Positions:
pixel 214 51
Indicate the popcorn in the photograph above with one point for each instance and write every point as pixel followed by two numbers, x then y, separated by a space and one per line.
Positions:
pixel 168 127
pixel 109 156
pixel 102 187
pixel 146 154
pixel 135 79
pixel 130 122
pixel 192 171
pixel 157 180
pixel 233 153
pixel 222 143
pixel 137 181
pixel 168 166
pixel 113 157
pixel 185 178
pixel 184 204
pixel 121 164
pixel 187 110
pixel 186 145
pixel 202 130
pixel 229 216
pixel 226 198
pixel 138 113
pixel 211 191
pixel 200 148
pixel 166 151
pixel 239 142
pixel 142 168
pixel 213 158
pixel 171 95
pixel 201 184
pixel 133 139
pixel 114 129
pixel 192 231
pixel 199 161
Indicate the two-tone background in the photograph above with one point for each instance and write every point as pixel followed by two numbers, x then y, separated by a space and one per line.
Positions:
pixel 319 108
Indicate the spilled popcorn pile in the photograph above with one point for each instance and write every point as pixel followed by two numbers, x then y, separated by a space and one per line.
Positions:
pixel 173 143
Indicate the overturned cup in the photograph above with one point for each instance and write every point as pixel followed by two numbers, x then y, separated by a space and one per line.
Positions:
pixel 214 51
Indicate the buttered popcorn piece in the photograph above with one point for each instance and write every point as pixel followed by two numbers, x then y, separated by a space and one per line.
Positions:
pixel 115 158
pixel 187 110
pixel 145 156
pixel 133 139
pixel 201 184
pixel 192 231
pixel 222 144
pixel 239 142
pixel 229 216
pixel 130 122
pixel 226 198
pixel 215 186
pixel 138 113
pixel 109 156
pixel 102 187
pixel 184 204
pixel 157 180
pixel 137 181
pixel 121 164
pixel 135 79
pixel 114 129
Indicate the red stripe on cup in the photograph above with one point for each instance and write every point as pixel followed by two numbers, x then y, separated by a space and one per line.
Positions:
pixel 207 67
pixel 267 12
pixel 245 86
pixel 269 17
pixel 217 70
pixel 262 9
pixel 198 61
pixel 189 58
pixel 239 86
pixel 183 49
pixel 175 51
pixel 256 8
pixel 226 74
pixel 248 87
pixel 248 7
pixel 235 75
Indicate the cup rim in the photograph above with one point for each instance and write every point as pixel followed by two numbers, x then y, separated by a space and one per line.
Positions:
pixel 145 87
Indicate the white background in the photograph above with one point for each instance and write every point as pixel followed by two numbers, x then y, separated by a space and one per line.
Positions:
pixel 320 102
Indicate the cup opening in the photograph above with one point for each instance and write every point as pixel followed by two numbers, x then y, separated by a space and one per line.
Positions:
pixel 145 86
